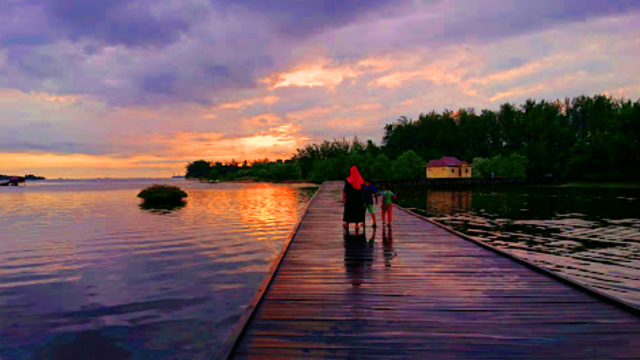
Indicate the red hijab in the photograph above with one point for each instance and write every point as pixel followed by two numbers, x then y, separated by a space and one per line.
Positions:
pixel 355 179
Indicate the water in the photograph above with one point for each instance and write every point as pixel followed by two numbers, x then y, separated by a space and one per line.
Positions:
pixel 590 234
pixel 86 273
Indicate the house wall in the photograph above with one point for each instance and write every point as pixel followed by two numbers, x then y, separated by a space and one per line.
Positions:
pixel 448 172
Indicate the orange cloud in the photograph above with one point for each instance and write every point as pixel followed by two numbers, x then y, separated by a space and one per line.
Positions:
pixel 626 91
pixel 365 107
pixel 432 73
pixel 516 92
pixel 261 120
pixel 248 102
pixel 377 64
pixel 41 96
pixel 53 98
pixel 277 142
pixel 311 112
pixel 316 75
pixel 512 74
pixel 347 123
pixel 558 82
pixel 396 79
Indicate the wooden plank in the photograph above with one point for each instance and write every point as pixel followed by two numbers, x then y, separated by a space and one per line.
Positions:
pixel 420 292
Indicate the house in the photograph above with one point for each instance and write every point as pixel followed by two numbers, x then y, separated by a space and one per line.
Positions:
pixel 448 167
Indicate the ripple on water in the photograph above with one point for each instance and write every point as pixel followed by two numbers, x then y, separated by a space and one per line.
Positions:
pixel 83 268
pixel 593 239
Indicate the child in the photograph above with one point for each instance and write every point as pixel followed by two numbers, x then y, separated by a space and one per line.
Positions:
pixel 368 193
pixel 387 204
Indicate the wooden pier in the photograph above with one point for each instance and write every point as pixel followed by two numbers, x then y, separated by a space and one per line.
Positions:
pixel 417 291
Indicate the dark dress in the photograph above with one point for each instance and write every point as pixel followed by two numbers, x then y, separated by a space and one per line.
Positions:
pixel 354 206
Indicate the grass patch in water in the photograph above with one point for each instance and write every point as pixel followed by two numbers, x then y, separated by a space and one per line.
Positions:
pixel 162 197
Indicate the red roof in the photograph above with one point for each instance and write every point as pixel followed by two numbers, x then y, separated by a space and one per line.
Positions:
pixel 446 161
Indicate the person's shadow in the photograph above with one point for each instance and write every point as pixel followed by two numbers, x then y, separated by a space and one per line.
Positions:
pixel 387 246
pixel 358 257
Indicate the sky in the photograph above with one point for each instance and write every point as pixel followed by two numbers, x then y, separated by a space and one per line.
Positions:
pixel 138 88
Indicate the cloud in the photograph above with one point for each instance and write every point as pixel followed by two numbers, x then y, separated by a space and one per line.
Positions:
pixel 249 102
pixel 261 121
pixel 311 76
pixel 300 19
pixel 632 91
pixel 232 79
pixel 135 52
pixel 347 123
pixel 311 113
pixel 125 22
pixel 365 107
pixel 145 66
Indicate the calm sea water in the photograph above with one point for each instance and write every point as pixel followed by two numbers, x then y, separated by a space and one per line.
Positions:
pixel 86 273
pixel 590 234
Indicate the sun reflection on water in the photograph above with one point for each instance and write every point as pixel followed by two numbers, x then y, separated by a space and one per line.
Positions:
pixel 83 258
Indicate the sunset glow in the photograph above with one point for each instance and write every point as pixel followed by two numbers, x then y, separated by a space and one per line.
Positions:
pixel 315 75
pixel 230 84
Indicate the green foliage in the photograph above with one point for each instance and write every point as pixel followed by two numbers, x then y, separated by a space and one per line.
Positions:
pixel 512 166
pixel 260 170
pixel 214 174
pixel 408 166
pixel 584 137
pixel 480 168
pixel 198 169
pixel 328 169
pixel 381 169
pixel 162 195
pixel 285 171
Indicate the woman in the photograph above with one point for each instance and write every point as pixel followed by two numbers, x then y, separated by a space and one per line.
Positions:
pixel 354 209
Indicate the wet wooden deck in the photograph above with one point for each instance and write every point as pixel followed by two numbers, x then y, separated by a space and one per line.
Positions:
pixel 420 292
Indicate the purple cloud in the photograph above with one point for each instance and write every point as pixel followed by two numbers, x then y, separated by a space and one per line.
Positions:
pixel 503 18
pixel 151 51
pixel 122 22
pixel 177 53
pixel 299 19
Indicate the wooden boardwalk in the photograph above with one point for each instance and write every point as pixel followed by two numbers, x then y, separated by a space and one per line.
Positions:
pixel 420 292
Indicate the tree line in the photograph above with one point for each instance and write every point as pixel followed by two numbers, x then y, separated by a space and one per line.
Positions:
pixel 580 138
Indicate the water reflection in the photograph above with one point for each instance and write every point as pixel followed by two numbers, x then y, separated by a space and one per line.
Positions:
pixel 590 234
pixel 387 246
pixel 372 238
pixel 162 208
pixel 81 264
pixel 358 257
pixel 448 202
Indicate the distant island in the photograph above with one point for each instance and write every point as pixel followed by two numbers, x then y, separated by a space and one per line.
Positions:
pixel 26 177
